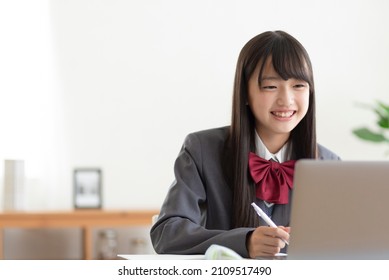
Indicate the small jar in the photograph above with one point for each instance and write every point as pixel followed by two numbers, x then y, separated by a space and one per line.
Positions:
pixel 138 246
pixel 107 245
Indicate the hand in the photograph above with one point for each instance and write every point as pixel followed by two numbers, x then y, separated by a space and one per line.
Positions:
pixel 267 241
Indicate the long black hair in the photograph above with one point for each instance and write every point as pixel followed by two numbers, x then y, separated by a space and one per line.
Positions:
pixel 290 60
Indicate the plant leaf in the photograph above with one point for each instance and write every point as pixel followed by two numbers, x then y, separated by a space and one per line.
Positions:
pixel 382 111
pixel 383 107
pixel 368 135
pixel 384 122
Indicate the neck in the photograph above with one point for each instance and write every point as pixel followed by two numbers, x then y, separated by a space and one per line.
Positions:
pixel 274 142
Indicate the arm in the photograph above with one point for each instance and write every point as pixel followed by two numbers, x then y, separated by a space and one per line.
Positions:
pixel 185 225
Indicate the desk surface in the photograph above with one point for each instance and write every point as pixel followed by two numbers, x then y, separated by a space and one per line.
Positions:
pixel 76 218
pixel 161 257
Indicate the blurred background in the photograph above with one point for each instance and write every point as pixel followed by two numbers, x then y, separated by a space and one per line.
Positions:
pixel 117 85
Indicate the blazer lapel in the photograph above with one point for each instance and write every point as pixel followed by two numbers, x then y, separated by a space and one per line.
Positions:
pixel 281 213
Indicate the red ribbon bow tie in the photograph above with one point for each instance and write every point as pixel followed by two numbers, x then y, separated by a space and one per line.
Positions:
pixel 273 179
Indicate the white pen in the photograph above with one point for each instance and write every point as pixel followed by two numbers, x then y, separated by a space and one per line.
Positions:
pixel 265 218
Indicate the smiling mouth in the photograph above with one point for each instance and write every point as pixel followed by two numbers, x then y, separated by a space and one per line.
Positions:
pixel 284 114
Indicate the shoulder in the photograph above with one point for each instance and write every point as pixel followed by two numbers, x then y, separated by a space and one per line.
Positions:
pixel 327 154
pixel 209 137
pixel 206 146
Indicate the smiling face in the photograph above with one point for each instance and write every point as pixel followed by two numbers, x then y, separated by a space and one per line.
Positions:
pixel 278 105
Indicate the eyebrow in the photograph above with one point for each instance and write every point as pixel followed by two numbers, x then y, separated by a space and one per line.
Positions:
pixel 267 78
pixel 278 78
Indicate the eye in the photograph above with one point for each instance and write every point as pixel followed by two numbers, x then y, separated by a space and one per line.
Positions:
pixel 268 87
pixel 300 85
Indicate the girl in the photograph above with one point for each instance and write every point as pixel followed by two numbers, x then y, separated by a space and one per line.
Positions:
pixel 218 171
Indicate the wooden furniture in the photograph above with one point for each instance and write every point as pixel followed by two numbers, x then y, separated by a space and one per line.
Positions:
pixel 84 219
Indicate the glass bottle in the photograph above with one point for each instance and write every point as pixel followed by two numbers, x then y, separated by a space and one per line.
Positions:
pixel 107 244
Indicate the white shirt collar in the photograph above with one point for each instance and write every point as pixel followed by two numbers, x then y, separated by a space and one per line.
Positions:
pixel 263 152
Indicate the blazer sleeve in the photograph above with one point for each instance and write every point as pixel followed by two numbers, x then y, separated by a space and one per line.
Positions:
pixel 181 226
pixel 326 154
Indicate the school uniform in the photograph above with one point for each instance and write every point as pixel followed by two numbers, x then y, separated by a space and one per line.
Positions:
pixel 197 210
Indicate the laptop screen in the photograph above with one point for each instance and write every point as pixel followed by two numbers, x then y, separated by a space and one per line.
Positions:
pixel 340 210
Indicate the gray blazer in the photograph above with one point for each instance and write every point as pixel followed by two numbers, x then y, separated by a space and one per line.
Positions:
pixel 196 212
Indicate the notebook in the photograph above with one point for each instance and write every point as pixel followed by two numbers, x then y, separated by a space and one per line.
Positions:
pixel 340 210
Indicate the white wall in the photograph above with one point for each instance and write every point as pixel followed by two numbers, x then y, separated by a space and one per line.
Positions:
pixel 118 84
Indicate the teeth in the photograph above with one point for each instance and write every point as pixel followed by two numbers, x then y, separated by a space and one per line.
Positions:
pixel 283 114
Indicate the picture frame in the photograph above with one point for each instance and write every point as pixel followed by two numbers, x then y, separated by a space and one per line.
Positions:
pixel 87 188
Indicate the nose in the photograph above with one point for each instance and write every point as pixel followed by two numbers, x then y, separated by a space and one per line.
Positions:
pixel 285 97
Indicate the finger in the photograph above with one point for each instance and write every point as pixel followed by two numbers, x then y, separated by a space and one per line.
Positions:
pixel 273 241
pixel 269 244
pixel 283 234
pixel 275 237
pixel 270 250
pixel 287 229
pixel 276 232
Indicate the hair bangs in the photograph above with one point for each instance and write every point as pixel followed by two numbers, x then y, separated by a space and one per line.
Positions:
pixel 289 59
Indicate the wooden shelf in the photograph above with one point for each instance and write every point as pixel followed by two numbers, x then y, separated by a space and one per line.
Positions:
pixel 84 219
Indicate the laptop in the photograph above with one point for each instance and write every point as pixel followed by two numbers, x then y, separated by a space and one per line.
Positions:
pixel 340 210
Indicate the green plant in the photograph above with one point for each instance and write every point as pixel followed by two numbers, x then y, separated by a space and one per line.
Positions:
pixel 380 134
